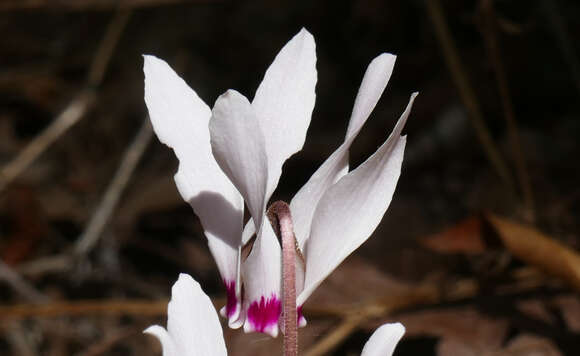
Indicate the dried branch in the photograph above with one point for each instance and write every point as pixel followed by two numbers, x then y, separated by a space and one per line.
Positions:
pixel 107 47
pixel 494 52
pixel 467 94
pixel 16 334
pixel 56 263
pixel 117 185
pixel 346 327
pixel 83 308
pixel 90 5
pixel 21 286
pixel 105 345
pixel 68 117
pixel 87 240
pixel 353 318
pixel 565 42
pixel 75 110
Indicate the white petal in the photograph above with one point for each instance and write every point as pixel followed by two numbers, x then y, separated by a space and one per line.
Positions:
pixel 284 102
pixel 374 83
pixel 262 273
pixel 384 340
pixel 249 231
pixel 192 320
pixel 305 201
pixel 238 146
pixel 180 120
pixel 164 338
pixel 193 328
pixel 350 210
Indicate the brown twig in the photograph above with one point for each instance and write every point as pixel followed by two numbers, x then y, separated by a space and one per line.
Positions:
pixel 526 279
pixel 90 5
pixel 21 286
pixel 75 110
pixel 563 38
pixel 19 339
pixel 68 117
pixel 539 251
pixel 83 308
pixel 107 46
pixel 102 214
pixel 489 32
pixel 467 94
pixel 424 295
pixel 87 240
pixel 47 264
pixel 117 336
pixel 346 327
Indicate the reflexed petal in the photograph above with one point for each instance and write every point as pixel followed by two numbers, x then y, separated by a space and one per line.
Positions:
pixel 180 120
pixel 351 209
pixel 373 84
pixel 305 201
pixel 249 231
pixel 164 338
pixel 284 102
pixel 262 273
pixel 238 146
pixel 384 340
pixel 193 328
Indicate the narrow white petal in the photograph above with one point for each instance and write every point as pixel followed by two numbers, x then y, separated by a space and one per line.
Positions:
pixel 262 273
pixel 180 120
pixel 305 201
pixel 350 210
pixel 373 84
pixel 238 146
pixel 384 340
pixel 193 322
pixel 249 231
pixel 164 338
pixel 284 102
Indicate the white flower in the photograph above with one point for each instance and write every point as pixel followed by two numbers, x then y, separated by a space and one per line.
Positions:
pixel 193 328
pixel 234 154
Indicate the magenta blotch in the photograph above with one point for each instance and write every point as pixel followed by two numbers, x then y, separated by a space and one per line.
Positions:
pixel 232 303
pixel 264 314
pixel 301 320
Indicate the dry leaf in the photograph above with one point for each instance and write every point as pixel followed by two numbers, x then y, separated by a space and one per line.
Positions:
pixel 462 331
pixel 538 249
pixel 464 237
pixel 353 282
pixel 536 309
pixel 256 344
pixel 528 345
pixel 570 306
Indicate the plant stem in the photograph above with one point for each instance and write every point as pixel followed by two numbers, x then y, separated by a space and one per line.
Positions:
pixel 279 214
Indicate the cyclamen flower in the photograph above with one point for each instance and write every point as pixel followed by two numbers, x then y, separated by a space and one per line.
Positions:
pixel 193 327
pixel 234 154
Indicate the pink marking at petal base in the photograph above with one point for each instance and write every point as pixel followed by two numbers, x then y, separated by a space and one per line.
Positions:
pixel 263 315
pixel 301 320
pixel 232 299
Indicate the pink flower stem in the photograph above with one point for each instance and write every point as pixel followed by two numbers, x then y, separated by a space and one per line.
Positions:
pixel 279 214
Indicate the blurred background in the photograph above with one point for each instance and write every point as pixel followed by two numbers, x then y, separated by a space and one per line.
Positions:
pixel 477 254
